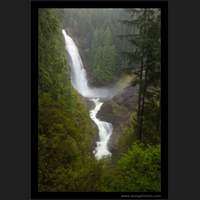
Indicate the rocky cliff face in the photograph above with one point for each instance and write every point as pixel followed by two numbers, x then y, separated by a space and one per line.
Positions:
pixel 117 111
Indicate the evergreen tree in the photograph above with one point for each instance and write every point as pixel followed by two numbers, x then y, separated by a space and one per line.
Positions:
pixel 145 39
pixel 104 57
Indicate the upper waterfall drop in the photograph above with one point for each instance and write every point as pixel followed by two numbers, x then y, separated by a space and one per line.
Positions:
pixel 78 73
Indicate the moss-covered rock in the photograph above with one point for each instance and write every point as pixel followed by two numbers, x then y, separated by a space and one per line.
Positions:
pixel 118 111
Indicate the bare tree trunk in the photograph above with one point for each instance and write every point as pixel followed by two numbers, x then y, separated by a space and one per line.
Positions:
pixel 142 105
pixel 139 102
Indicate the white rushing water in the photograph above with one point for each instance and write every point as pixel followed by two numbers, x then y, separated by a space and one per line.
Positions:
pixel 105 131
pixel 80 83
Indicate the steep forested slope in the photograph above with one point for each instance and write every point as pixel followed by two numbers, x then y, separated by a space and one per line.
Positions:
pixel 65 130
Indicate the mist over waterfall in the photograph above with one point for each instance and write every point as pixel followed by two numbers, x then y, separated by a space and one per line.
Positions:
pixel 80 83
pixel 78 73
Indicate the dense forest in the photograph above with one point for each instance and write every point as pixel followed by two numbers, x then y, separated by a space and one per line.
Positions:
pixel 113 44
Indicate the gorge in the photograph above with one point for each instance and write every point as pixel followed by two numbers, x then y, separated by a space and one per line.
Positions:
pixel 80 83
pixel 98 126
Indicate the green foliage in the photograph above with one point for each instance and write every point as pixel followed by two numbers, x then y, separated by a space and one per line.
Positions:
pixel 128 135
pixel 103 57
pixel 82 176
pixel 145 41
pixel 65 130
pixel 138 170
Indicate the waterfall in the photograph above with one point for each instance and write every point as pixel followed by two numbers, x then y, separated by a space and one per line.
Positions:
pixel 80 83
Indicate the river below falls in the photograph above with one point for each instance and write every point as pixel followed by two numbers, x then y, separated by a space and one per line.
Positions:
pixel 105 131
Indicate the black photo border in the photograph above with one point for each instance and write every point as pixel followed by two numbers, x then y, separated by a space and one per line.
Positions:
pixel 163 5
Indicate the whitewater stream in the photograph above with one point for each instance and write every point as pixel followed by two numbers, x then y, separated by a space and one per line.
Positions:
pixel 80 83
